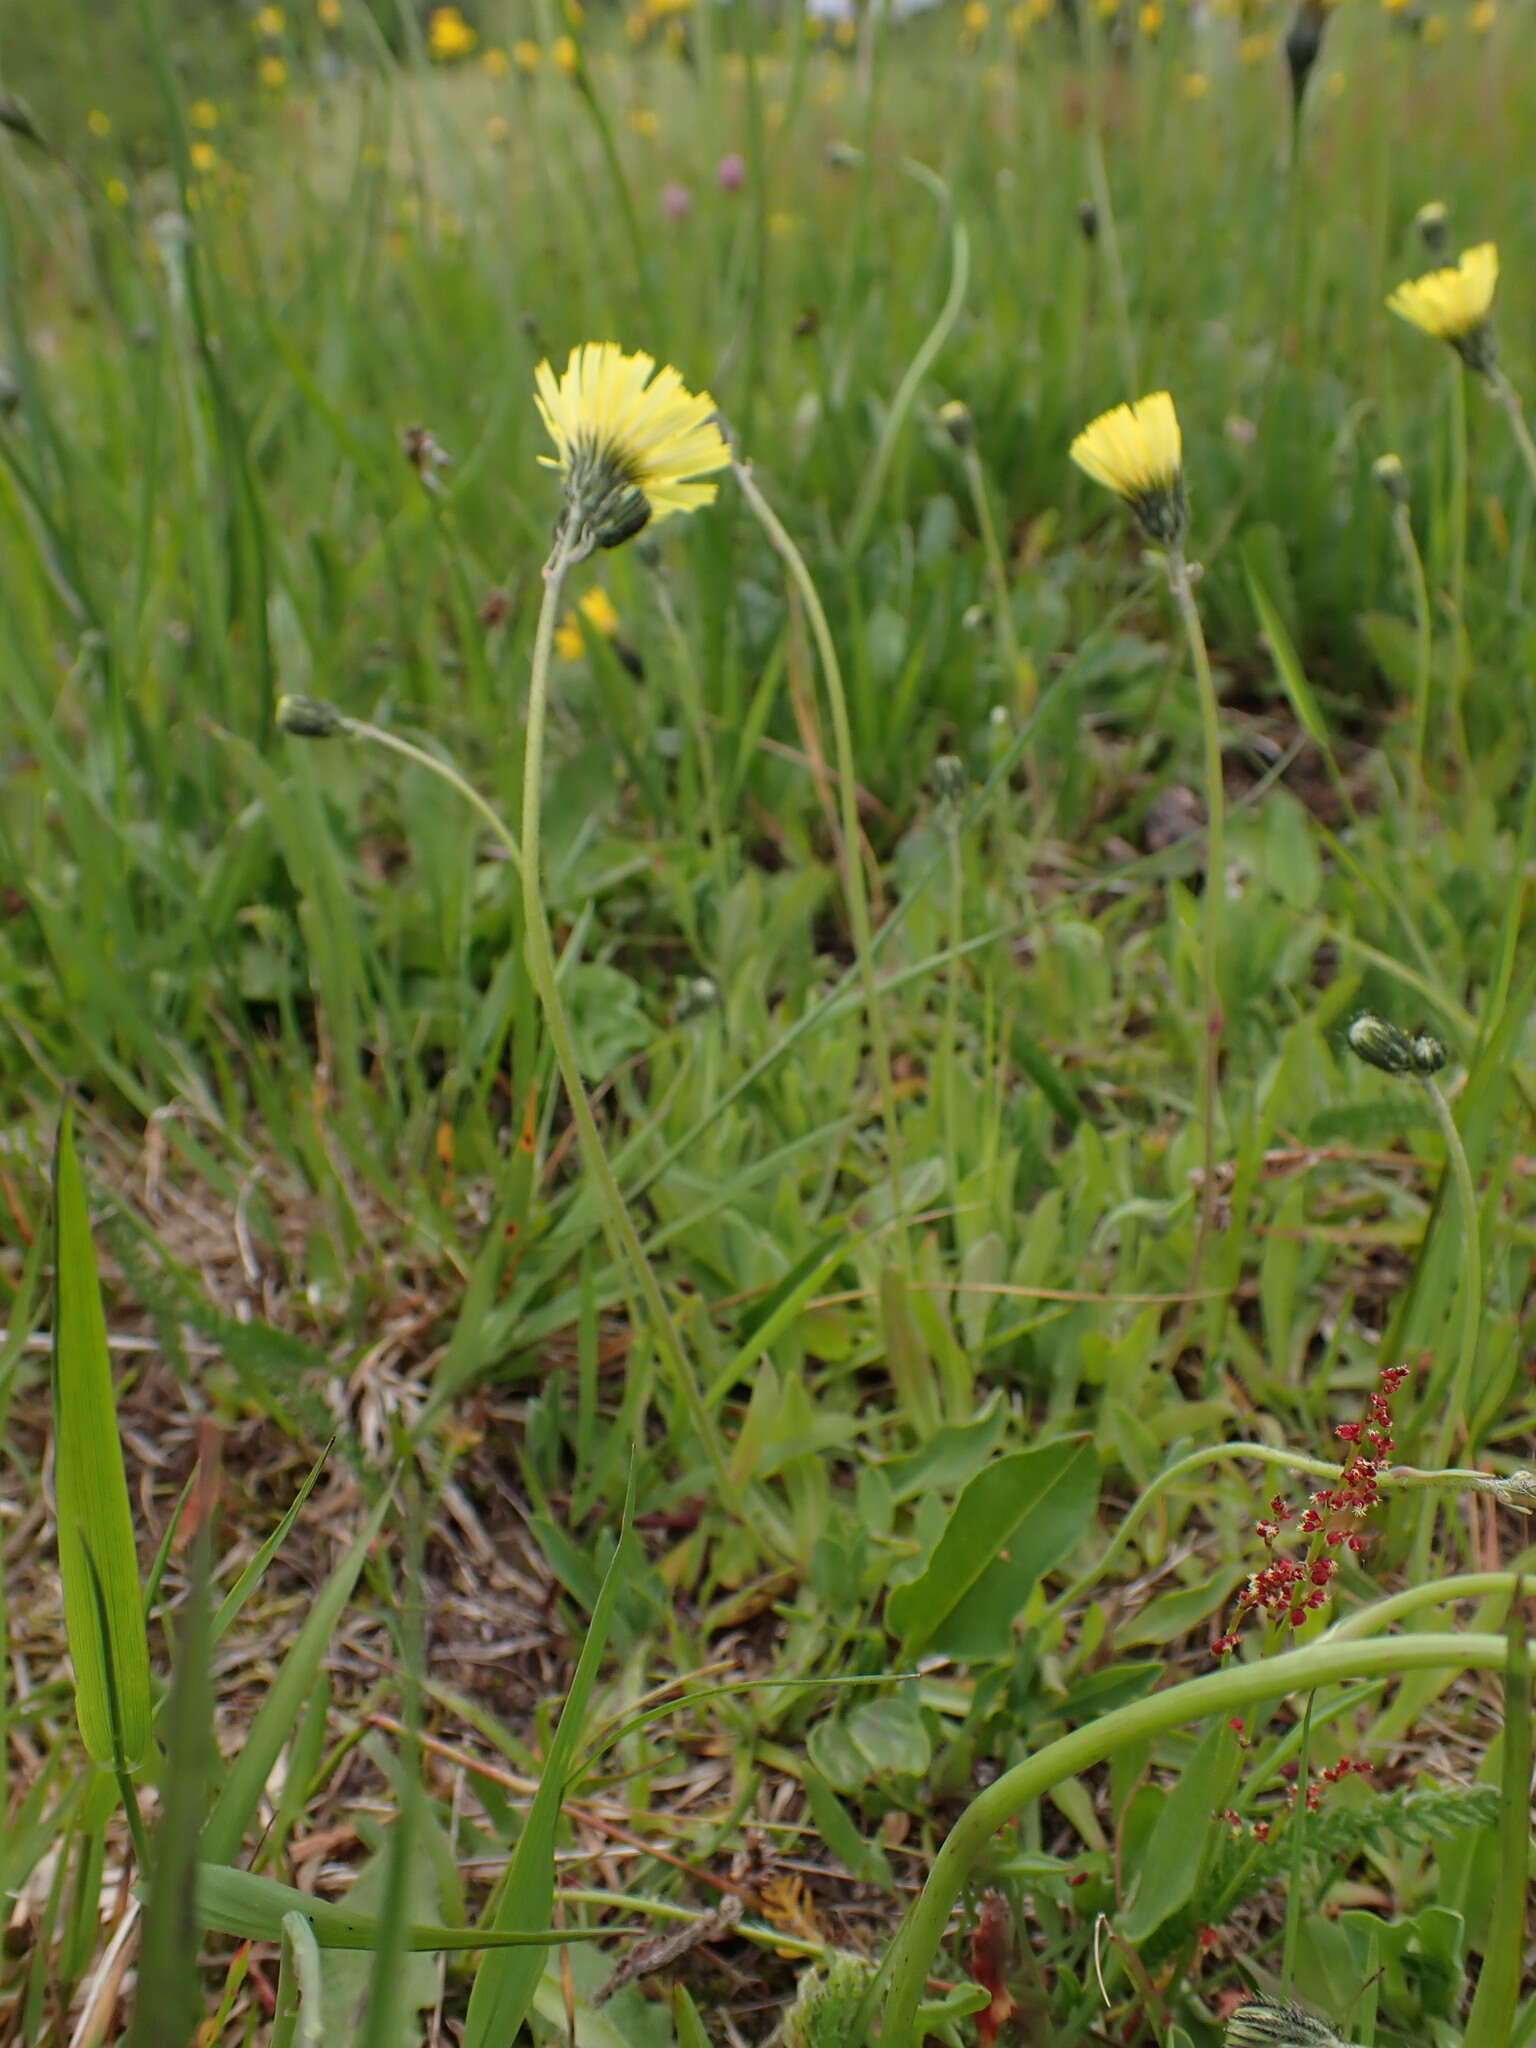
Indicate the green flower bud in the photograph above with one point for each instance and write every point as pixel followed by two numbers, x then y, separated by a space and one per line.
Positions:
pixel 308 718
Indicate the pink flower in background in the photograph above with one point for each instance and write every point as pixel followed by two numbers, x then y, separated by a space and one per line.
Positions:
pixel 676 201
pixel 730 173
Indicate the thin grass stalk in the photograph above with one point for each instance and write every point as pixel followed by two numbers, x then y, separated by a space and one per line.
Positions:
pixel 852 850
pixel 1423 658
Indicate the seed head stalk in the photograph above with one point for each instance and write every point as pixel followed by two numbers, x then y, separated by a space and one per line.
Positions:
pixel 1213 902
pixel 1509 399
pixel 540 956
pixel 1455 1410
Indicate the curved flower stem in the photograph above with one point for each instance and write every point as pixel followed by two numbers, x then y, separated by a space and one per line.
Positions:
pixel 868 501
pixel 540 956
pixel 1458 552
pixel 853 863
pixel 1370 1621
pixel 1212 903
pixel 1222 1693
pixel 360 729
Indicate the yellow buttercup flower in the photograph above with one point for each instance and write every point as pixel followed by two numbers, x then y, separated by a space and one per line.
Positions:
pixel 1137 451
pixel 1149 18
pixel 631 445
pixel 1453 304
pixel 203 157
pixel 596 607
pixel 449 35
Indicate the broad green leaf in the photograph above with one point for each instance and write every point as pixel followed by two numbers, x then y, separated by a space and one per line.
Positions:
pixel 97 1560
pixel 297 2022
pixel 505 1984
pixel 1182 1834
pixel 1014 1520
pixel 279 1712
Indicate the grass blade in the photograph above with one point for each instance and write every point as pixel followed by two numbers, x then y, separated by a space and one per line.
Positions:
pixel 97 1560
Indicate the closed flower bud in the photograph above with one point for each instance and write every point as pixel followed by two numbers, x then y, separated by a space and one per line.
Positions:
pixel 1390 1051
pixel 1433 223
pixel 1391 477
pixel 1088 220
pixel 308 718
pixel 955 419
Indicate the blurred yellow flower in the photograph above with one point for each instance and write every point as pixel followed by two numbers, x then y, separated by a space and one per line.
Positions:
pixel 203 156
pixel 498 130
pixel 203 114
pixel 1137 451
pixel 845 34
pixel 116 191
pixel 1334 84
pixel 975 16
pixel 526 56
pixel 782 223
pixel 664 10
pixel 1149 17
pixel 1020 21
pixel 575 13
pixel 1482 17
pixel 1255 48
pixel 268 21
pixel 273 73
pixel 1453 303
pixel 644 121
pixel 100 124
pixel 567 58
pixel 328 13
pixel 631 441
pixel 1432 30
pixel 449 35
pixel 596 607
pixel 496 63
pixel 1194 85
pixel 637 25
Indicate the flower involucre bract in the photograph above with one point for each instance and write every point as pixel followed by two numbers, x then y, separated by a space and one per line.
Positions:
pixel 1137 451
pixel 631 444
pixel 1453 303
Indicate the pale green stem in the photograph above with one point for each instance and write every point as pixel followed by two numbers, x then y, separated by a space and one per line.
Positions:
pixel 952 1004
pixel 868 502
pixel 1298 1826
pixel 1224 1693
pixel 1514 411
pixel 1109 242
pixel 360 729
pixel 1212 903
pixel 1424 655
pixel 852 836
pixel 540 955
pixel 1370 1621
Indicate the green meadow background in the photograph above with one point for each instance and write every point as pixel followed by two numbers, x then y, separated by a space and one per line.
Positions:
pixel 372 1467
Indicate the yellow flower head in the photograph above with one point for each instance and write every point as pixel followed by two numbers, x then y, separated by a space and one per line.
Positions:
pixel 496 63
pixel 1149 17
pixel 203 157
pixel 596 607
pixel 1432 30
pixel 629 446
pixel 566 55
pixel 273 73
pixel 100 124
pixel 1137 451
pixel 1482 17
pixel 1453 304
pixel 1194 85
pixel 526 55
pixel 116 191
pixel 203 114
pixel 328 13
pixel 449 35
pixel 268 21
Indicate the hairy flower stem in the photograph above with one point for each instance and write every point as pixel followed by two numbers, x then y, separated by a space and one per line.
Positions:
pixel 904 1973
pixel 848 794
pixel 1212 903
pixel 540 956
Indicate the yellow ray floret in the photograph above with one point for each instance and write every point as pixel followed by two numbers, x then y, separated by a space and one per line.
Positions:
pixel 1452 303
pixel 1138 452
pixel 619 429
